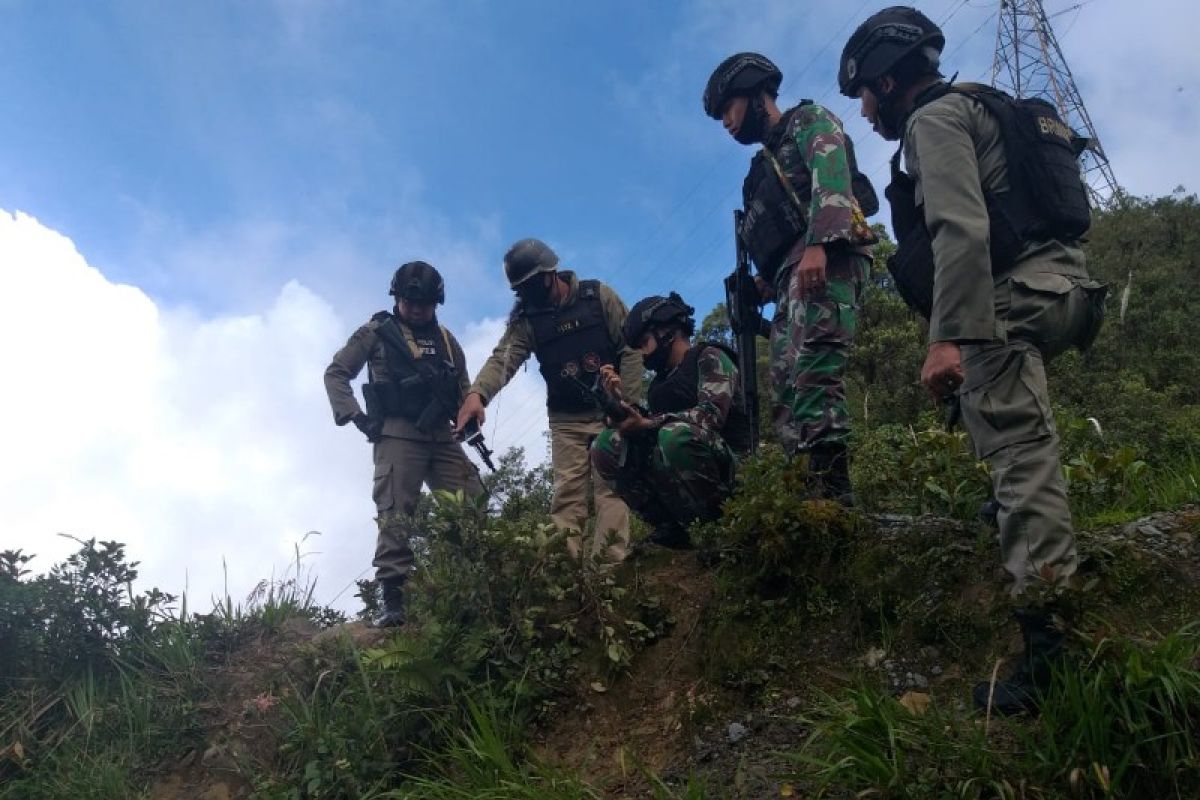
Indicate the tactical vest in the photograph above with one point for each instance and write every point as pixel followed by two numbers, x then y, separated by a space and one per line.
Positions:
pixel 775 201
pixel 571 343
pixel 679 390
pixel 1046 196
pixel 421 377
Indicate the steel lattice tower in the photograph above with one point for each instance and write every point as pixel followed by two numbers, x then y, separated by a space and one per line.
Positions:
pixel 1029 63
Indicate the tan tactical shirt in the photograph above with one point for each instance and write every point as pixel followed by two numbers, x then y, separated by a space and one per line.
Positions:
pixel 516 345
pixel 953 150
pixel 366 348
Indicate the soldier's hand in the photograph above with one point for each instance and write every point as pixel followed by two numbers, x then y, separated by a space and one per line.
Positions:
pixel 471 409
pixel 634 422
pixel 610 380
pixel 765 293
pixel 371 428
pixel 942 373
pixel 808 279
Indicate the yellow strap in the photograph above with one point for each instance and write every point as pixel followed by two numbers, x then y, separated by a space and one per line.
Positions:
pixel 417 352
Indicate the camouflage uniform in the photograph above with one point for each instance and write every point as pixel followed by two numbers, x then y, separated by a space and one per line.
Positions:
pixel 683 470
pixel 811 338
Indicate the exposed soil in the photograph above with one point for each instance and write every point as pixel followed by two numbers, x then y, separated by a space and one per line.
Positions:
pixel 665 716
pixel 242 710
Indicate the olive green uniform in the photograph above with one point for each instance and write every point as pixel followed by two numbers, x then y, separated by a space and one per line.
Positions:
pixel 1008 325
pixel 405 457
pixel 571 433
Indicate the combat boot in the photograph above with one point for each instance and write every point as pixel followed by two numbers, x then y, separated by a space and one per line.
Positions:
pixel 393 615
pixel 671 535
pixel 989 512
pixel 829 470
pixel 1022 692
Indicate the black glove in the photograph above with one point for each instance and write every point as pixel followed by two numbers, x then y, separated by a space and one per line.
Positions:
pixel 371 428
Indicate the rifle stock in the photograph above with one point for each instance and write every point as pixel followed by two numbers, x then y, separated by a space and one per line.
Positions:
pixel 745 320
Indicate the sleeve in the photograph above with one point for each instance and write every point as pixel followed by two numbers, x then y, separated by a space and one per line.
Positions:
pixel 631 369
pixel 717 377
pixel 513 350
pixel 822 145
pixel 940 155
pixel 346 365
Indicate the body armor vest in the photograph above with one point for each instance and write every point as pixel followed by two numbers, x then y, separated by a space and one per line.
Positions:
pixel 775 199
pixel 1046 197
pixel 422 383
pixel 569 342
pixel 679 390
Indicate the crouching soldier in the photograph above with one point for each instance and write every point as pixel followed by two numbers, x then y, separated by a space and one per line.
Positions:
pixel 675 463
pixel 418 375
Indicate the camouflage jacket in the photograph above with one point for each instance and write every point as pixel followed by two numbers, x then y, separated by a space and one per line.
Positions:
pixel 717 387
pixel 810 146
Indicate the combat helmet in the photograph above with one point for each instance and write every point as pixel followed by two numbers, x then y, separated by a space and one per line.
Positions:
pixel 657 310
pixel 740 74
pixel 418 282
pixel 882 41
pixel 527 258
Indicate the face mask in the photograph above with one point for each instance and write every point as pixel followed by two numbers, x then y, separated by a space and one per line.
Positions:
pixel 887 113
pixel 657 361
pixel 754 123
pixel 534 292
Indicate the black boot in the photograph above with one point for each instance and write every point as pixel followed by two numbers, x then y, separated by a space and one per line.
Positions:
pixel 393 615
pixel 1022 692
pixel 989 512
pixel 671 535
pixel 829 468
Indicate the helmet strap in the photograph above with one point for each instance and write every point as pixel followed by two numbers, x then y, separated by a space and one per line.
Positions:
pixel 657 360
pixel 755 122
pixel 887 107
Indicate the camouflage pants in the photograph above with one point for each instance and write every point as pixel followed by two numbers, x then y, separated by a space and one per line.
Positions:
pixel 810 345
pixel 680 474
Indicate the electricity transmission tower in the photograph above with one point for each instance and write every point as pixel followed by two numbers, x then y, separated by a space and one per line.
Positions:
pixel 1029 63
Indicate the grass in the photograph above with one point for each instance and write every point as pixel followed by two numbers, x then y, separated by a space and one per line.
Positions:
pixel 1124 722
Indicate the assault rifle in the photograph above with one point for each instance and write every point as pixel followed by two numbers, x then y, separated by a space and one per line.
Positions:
pixel 604 401
pixel 473 436
pixel 610 405
pixel 745 319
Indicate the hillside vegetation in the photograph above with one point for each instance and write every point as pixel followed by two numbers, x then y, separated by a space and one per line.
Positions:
pixel 802 651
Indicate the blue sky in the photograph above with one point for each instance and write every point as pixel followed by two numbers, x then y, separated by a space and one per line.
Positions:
pixel 204 151
pixel 222 190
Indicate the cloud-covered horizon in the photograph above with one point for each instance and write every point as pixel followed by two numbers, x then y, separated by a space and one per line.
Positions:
pixel 205 444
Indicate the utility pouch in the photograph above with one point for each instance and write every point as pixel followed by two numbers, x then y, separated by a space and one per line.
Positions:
pixel 1096 294
pixel 911 266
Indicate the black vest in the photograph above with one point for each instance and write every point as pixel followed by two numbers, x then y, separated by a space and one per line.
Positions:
pixel 679 390
pixel 412 382
pixel 773 220
pixel 1046 197
pixel 571 343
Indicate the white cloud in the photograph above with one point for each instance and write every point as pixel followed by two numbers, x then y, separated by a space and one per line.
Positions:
pixel 190 439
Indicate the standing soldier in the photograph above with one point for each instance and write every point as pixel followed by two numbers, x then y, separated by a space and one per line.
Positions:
pixel 417 376
pixel 805 230
pixel 675 465
pixel 988 221
pixel 573 326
